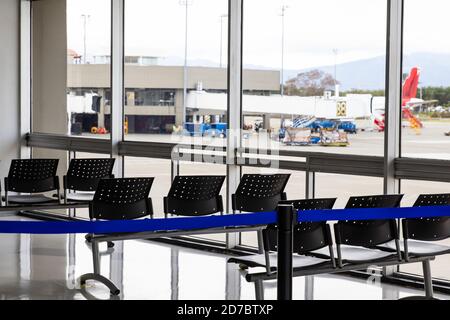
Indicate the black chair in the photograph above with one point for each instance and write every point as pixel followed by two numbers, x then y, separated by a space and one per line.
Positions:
pixel 122 199
pixel 194 196
pixel 418 233
pixel 357 241
pixel 259 193
pixel 83 177
pixel 117 199
pixel 34 177
pixel 308 237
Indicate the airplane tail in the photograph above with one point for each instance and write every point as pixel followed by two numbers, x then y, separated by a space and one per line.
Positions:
pixel 409 92
pixel 410 86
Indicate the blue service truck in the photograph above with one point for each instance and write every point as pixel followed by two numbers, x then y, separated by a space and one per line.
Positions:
pixel 218 129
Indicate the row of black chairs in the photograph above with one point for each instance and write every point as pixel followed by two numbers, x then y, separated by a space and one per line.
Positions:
pixel 91 180
pixel 359 244
pixel 359 241
pixel 29 179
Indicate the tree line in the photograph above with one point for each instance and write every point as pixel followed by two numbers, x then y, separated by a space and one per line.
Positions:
pixel 315 82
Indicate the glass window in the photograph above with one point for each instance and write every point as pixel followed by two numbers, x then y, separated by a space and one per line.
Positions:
pixel 343 187
pixel 426 93
pixel 71 71
pixel 160 169
pixel 171 66
pixel 314 74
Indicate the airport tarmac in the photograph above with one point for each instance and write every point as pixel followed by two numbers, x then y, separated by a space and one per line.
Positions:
pixel 428 142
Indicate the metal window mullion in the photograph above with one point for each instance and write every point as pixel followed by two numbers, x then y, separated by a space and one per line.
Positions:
pixel 25 76
pixel 117 82
pixel 234 105
pixel 393 108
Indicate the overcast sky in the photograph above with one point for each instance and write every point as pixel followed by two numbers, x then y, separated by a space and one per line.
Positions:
pixel 313 28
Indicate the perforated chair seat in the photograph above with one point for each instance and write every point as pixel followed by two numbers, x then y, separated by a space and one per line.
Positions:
pixel 80 196
pixel 194 196
pixel 354 254
pixel 298 261
pixel 419 248
pixel 30 199
pixel 258 192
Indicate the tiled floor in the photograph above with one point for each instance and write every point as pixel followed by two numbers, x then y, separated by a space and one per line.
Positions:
pixel 48 266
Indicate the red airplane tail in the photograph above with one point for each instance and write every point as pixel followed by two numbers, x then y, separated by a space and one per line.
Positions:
pixel 409 92
pixel 410 86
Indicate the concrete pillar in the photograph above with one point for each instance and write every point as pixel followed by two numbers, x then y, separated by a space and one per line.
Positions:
pixel 49 73
pixel 179 107
pixel 266 121
pixel 101 114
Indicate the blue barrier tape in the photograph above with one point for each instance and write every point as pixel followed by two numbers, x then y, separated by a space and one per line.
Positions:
pixel 133 226
pixel 209 222
pixel 373 213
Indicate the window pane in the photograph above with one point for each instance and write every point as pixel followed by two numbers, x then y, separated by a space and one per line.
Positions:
pixel 157 168
pixel 163 58
pixel 343 187
pixel 330 57
pixel 426 102
pixel 71 72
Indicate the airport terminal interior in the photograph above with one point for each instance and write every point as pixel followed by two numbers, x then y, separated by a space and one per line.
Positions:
pixel 224 150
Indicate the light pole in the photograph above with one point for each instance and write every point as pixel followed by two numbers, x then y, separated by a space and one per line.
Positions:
pixel 221 36
pixel 283 12
pixel 85 19
pixel 335 52
pixel 186 4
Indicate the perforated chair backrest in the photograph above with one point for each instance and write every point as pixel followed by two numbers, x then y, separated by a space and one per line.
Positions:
pixel 32 175
pixel 194 196
pixel 259 192
pixel 308 236
pixel 84 174
pixel 122 199
pixel 369 233
pixel 428 229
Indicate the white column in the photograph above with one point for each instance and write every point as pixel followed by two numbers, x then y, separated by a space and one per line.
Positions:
pixel 25 75
pixel 393 106
pixel 234 138
pixel 117 82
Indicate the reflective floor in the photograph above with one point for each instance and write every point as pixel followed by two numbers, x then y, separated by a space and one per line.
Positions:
pixel 49 266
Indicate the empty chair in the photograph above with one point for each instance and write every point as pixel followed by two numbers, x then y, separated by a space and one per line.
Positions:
pixel 117 199
pixel 259 193
pixel 122 199
pixel 34 177
pixel 83 177
pixel 308 237
pixel 194 196
pixel 420 234
pixel 356 241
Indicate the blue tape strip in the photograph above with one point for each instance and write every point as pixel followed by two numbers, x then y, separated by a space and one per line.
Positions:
pixel 133 226
pixel 208 222
pixel 373 213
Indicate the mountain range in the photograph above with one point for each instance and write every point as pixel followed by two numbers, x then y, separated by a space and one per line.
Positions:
pixel 367 74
